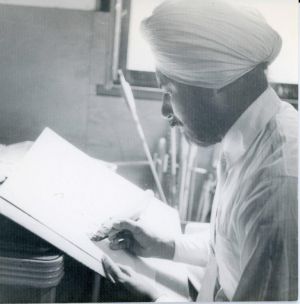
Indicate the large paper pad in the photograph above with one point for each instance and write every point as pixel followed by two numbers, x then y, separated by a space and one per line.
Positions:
pixel 63 195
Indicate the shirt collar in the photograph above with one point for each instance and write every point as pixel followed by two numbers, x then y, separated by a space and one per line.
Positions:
pixel 243 132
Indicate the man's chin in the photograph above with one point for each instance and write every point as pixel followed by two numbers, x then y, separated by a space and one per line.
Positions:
pixel 199 142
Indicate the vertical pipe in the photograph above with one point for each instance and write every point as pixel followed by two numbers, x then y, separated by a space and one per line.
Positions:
pixel 185 147
pixel 117 39
pixel 173 166
pixel 130 101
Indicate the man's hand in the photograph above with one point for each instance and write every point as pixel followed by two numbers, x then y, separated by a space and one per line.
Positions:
pixel 139 285
pixel 132 236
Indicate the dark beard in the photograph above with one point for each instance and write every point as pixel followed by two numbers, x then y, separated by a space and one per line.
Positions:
pixel 203 142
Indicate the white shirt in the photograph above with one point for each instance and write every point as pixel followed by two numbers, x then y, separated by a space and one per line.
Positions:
pixel 254 216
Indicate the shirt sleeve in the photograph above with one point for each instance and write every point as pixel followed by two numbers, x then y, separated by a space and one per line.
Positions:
pixel 193 249
pixel 267 232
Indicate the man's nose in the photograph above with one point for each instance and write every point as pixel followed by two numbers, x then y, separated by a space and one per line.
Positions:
pixel 166 109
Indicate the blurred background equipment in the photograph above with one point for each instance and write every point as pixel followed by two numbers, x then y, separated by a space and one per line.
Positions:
pixel 30 268
pixel 187 174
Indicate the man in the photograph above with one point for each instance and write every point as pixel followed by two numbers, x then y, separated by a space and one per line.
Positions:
pixel 211 58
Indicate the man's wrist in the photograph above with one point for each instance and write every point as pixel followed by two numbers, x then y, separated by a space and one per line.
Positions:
pixel 166 249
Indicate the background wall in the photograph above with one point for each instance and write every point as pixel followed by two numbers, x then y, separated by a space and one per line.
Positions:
pixel 111 132
pixel 44 76
pixel 88 5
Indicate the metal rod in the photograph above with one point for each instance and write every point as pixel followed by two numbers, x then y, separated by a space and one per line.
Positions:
pixel 132 163
pixel 183 174
pixel 117 38
pixel 173 165
pixel 128 96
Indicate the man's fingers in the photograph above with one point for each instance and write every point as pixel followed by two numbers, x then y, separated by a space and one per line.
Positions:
pixel 112 234
pixel 121 243
pixel 107 275
pixel 114 246
pixel 136 249
pixel 129 225
pixel 103 231
pixel 112 270
pixel 127 270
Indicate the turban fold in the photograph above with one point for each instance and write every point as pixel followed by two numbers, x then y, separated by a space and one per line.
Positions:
pixel 209 43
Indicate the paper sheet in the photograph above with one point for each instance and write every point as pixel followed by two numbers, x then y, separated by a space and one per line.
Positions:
pixel 63 195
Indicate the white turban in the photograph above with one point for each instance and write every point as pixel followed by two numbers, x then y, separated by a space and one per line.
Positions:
pixel 209 43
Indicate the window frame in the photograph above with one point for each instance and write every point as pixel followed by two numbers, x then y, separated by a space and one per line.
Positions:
pixel 136 78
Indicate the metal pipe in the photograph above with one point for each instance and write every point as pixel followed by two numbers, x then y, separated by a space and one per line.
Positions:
pixel 173 165
pixel 128 96
pixel 117 39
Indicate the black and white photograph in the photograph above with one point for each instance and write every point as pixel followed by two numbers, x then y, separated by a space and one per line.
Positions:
pixel 148 151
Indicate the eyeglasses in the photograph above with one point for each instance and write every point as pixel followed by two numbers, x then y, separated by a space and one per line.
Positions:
pixel 167 111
